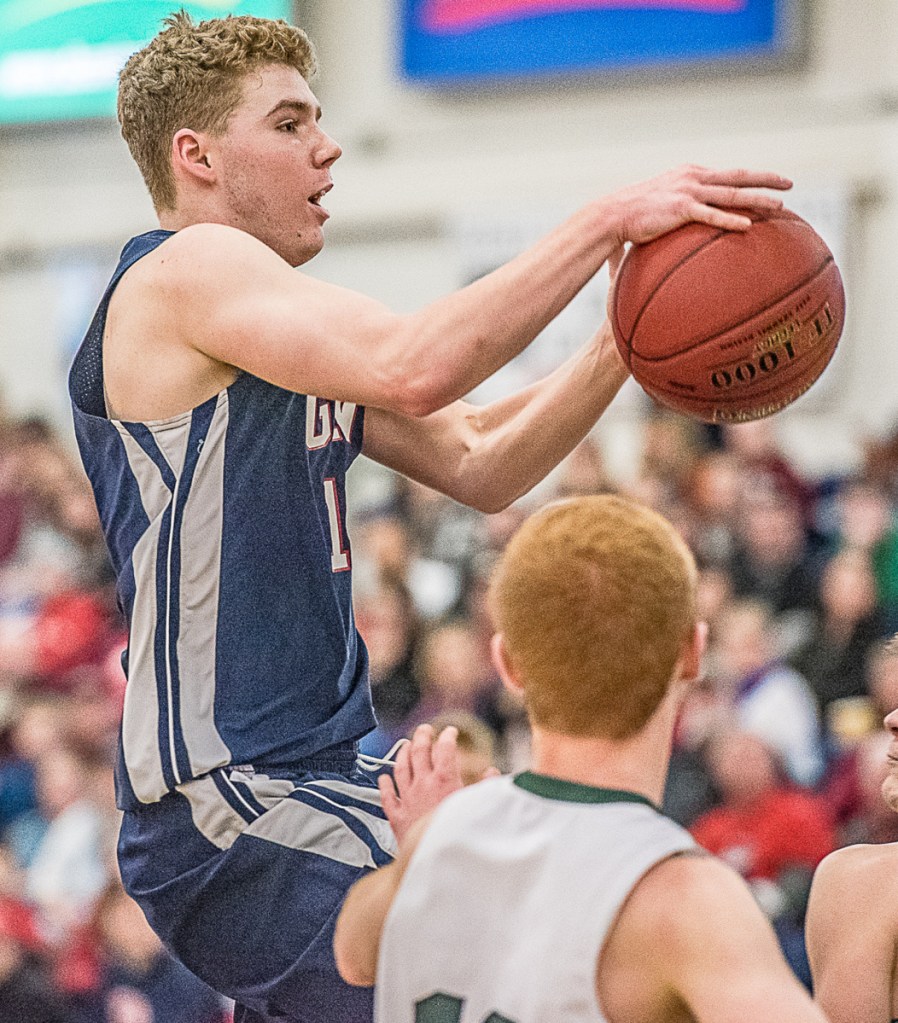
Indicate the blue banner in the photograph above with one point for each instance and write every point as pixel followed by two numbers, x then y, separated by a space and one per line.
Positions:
pixel 468 40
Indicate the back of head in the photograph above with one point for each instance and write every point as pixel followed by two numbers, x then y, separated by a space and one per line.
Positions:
pixel 595 599
pixel 191 76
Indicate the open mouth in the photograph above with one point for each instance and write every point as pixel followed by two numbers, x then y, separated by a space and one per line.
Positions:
pixel 315 199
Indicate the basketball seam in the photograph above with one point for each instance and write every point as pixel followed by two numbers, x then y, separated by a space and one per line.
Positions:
pixel 657 288
pixel 694 252
pixel 657 359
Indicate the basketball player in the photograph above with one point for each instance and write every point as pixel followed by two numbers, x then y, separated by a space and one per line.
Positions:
pixel 219 398
pixel 852 922
pixel 562 893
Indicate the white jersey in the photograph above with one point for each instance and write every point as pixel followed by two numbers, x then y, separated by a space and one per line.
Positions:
pixel 508 900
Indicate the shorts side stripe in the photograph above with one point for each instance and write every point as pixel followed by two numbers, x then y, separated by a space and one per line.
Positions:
pixel 298 825
pixel 232 796
pixel 377 827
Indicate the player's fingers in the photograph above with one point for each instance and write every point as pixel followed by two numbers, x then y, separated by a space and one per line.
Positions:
pixel 388 798
pixel 730 195
pixel 715 217
pixel 743 178
pixel 420 747
pixel 402 768
pixel 445 755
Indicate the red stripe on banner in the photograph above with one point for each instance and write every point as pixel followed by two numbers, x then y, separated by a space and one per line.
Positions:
pixel 459 15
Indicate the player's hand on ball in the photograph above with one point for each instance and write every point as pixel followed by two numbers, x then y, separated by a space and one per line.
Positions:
pixel 427 770
pixel 694 194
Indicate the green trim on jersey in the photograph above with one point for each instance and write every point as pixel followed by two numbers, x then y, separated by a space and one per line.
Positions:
pixel 575 792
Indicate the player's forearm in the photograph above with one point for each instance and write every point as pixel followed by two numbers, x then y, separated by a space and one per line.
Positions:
pixel 455 343
pixel 359 926
pixel 525 436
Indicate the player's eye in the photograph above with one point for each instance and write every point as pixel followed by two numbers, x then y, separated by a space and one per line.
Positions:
pixel 289 126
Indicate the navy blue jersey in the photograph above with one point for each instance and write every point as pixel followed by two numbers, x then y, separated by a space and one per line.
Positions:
pixel 226 530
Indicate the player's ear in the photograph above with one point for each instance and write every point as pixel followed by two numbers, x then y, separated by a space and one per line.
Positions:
pixel 691 658
pixel 190 157
pixel 503 665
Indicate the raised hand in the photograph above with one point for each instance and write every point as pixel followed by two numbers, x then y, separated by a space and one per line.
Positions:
pixel 426 771
pixel 698 194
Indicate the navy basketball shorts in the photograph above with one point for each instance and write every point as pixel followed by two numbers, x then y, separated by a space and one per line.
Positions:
pixel 242 873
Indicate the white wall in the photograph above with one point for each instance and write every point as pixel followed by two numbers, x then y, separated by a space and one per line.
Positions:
pixel 414 161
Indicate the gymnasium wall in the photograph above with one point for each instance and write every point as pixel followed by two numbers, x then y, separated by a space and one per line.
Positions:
pixel 420 168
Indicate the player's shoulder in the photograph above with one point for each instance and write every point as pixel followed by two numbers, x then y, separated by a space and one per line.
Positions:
pixel 211 249
pixel 203 259
pixel 856 867
pixel 686 896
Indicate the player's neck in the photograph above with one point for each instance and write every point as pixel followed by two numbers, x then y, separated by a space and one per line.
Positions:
pixel 638 764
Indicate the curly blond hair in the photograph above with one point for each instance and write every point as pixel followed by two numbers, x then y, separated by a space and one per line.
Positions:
pixel 191 75
pixel 595 598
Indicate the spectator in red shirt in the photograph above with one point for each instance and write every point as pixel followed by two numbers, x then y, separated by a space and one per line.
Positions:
pixel 763 825
pixel 772 832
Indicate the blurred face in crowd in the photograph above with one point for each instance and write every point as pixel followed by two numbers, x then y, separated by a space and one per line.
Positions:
pixel 742 767
pixel 753 440
pixel 716 487
pixel 385 621
pixel 865 515
pixel 38 731
pixel 61 781
pixel 772 529
pixel 387 543
pixel 669 447
pixel 715 590
pixel 847 588
pixel 11 956
pixel 583 470
pixel 743 641
pixel 451 663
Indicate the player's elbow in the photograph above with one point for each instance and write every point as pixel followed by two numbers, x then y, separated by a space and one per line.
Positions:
pixel 488 501
pixel 414 382
pixel 415 391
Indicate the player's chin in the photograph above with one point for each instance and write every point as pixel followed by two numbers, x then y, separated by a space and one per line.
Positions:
pixel 305 246
pixel 890 791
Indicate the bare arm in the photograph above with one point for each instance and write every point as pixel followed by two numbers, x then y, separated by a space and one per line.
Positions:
pixel 489 456
pixel 234 300
pixel 851 934
pixel 714 957
pixel 364 913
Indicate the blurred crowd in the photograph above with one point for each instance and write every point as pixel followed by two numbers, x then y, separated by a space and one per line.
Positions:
pixel 779 753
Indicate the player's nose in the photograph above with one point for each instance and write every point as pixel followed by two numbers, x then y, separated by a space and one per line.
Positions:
pixel 328 150
pixel 891 722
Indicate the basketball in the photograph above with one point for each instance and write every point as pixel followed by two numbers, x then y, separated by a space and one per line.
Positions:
pixel 729 326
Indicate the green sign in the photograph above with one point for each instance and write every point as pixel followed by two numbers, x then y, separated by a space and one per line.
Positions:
pixel 60 59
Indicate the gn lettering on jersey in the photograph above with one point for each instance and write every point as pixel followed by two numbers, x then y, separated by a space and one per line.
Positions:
pixel 328 421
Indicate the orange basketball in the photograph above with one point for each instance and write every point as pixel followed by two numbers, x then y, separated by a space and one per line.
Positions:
pixel 728 326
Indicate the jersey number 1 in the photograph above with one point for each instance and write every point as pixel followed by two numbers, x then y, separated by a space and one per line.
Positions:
pixel 339 554
pixel 440 1008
